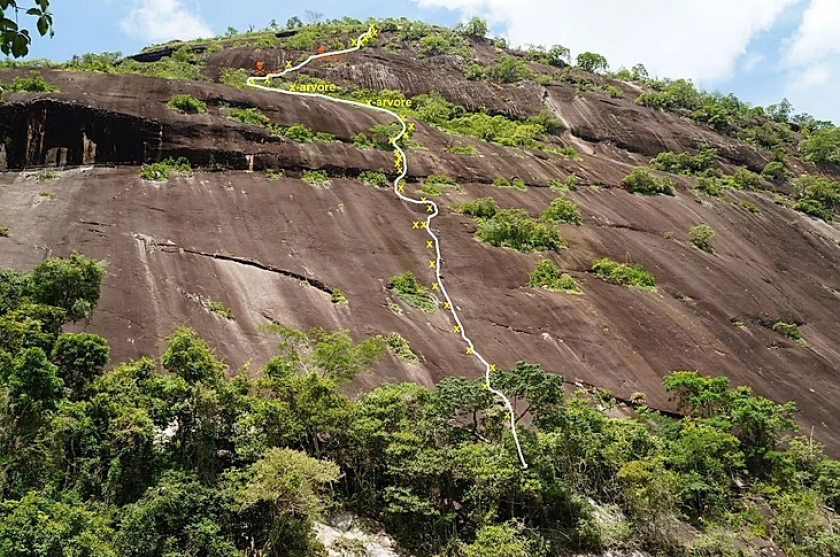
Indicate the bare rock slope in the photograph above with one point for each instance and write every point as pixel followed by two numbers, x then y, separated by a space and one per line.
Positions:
pixel 275 250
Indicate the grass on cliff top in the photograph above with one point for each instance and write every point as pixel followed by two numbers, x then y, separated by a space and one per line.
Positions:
pixel 407 289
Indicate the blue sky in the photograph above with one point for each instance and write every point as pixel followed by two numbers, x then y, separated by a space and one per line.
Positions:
pixel 761 50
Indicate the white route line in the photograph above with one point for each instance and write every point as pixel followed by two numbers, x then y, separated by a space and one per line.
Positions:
pixel 401 177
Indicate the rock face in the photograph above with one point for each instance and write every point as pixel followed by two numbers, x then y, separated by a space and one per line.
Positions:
pixel 274 250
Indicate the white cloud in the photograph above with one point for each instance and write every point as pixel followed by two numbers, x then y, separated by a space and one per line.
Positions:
pixel 812 60
pixel 752 60
pixel 699 40
pixel 163 20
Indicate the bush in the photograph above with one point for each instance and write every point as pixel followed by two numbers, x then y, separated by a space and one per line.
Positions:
pixel 315 177
pixel 546 119
pixel 461 150
pixel 547 275
pixel 187 104
pixel 337 297
pixel 377 179
pixel 776 171
pixel 235 77
pixel 685 163
pixel 822 147
pixel 562 211
pixel 569 183
pixel 4 231
pixel 33 84
pixel 408 290
pixel 515 183
pixel 623 274
pixel 434 45
pixel 816 196
pixel 441 180
pixel 249 116
pixel 274 175
pixel 161 170
pixel 361 140
pixel 401 348
pixel 790 330
pixel 512 228
pixel 299 133
pixel 325 137
pixel 709 185
pixel 481 208
pixel 745 179
pixel 751 207
pixel 701 236
pixel 430 189
pixel 508 70
pixel 613 91
pixel 641 181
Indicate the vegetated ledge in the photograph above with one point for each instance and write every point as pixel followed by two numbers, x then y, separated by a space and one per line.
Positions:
pixel 171 247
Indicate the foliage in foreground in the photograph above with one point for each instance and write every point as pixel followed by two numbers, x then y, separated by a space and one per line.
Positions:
pixel 200 461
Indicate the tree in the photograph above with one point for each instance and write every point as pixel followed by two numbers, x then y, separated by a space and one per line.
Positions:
pixel 190 358
pixel 33 383
pixel 559 56
pixel 72 284
pixel 591 62
pixel 502 540
pixel 823 146
pixel 80 358
pixel 780 113
pixel 15 41
pixel 293 22
pixel 476 28
pixel 283 495
pixel 313 17
pixel 639 72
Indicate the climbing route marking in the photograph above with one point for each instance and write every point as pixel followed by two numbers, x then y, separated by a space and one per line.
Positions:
pixel 401 165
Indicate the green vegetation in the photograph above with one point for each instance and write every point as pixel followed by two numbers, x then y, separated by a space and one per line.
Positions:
pixel 323 137
pixel 790 330
pixel 623 274
pixel 751 207
pixel 374 178
pixel 408 290
pixel 235 77
pixel 14 37
pixel 547 275
pixel 709 185
pixel 817 196
pixel 249 116
pixel 159 171
pixel 401 348
pixel 685 163
pixel 187 104
pixel 514 229
pixel 613 91
pixel 481 208
pixel 776 171
pixel 315 177
pixel 569 183
pixel 430 189
pixel 461 150
pixel 441 181
pixel 299 133
pixel 515 183
pixel 701 236
pixel 47 175
pixel 434 45
pixel 822 146
pixel 274 175
pixel 201 461
pixel 641 181
pixel 4 231
pixel 591 62
pixel 220 309
pixel 337 297
pixel 32 84
pixel 508 69
pixel 562 211
pixel 361 140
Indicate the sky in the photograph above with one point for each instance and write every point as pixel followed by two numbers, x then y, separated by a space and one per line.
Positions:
pixel 761 50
